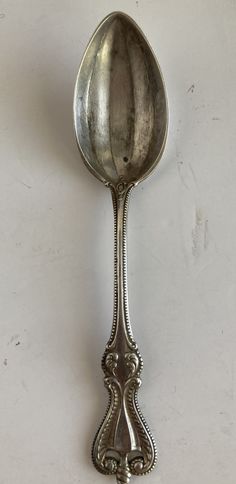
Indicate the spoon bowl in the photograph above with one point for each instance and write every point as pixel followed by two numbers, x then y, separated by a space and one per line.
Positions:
pixel 120 106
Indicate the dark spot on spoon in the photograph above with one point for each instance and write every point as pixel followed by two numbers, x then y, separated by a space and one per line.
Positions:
pixel 125 159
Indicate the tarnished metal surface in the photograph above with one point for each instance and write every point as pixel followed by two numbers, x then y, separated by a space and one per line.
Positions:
pixel 120 104
pixel 120 116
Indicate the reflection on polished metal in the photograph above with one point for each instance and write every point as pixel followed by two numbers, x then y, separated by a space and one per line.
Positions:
pixel 120 116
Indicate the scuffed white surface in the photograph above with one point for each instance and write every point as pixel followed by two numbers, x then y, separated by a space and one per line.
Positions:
pixel 56 248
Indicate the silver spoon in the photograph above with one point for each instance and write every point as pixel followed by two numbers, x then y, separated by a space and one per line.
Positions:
pixel 120 117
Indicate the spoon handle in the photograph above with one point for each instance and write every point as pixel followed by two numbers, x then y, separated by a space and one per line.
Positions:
pixel 123 444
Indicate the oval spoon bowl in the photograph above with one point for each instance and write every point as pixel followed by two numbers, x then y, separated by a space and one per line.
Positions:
pixel 120 104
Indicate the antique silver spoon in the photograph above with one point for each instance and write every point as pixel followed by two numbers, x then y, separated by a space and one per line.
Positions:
pixel 120 117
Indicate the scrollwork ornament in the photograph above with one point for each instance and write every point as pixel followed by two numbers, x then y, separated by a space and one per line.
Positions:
pixel 133 363
pixel 111 360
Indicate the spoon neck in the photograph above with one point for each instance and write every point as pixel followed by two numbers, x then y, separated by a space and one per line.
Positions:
pixel 121 329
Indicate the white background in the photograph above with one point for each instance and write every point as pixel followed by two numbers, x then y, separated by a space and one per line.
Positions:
pixel 56 248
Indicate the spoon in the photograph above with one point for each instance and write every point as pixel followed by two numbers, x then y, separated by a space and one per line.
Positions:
pixel 120 119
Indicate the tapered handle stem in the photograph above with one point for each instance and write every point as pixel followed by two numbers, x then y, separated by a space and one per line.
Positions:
pixel 121 323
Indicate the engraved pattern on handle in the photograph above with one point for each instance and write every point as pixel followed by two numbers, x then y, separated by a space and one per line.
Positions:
pixel 123 444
